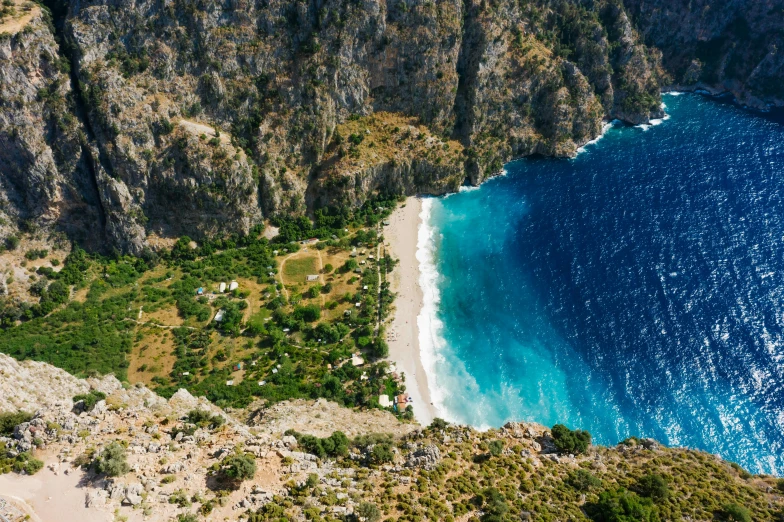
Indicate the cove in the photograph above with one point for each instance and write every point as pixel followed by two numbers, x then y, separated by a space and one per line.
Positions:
pixel 635 290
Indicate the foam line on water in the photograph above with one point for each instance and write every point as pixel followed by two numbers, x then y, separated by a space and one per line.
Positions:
pixel 430 327
pixel 607 126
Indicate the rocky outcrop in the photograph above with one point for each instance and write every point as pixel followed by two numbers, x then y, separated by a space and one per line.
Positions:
pixel 204 120
pixel 45 178
pixel 720 45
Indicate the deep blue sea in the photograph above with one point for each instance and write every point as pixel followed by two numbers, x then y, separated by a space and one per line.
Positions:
pixel 637 289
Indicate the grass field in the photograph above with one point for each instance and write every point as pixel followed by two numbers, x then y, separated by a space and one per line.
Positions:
pixel 298 268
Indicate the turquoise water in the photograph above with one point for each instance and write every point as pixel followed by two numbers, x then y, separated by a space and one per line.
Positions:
pixel 637 289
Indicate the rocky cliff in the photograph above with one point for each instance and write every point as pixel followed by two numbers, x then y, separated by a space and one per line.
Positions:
pixel 203 117
pixel 723 46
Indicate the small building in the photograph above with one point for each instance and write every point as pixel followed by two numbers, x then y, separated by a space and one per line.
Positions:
pixel 402 401
pixel 385 223
pixel 274 370
pixel 185 374
pixel 365 287
pixel 222 287
pixel 383 401
pixel 358 305
pixel 262 383
pixel 353 253
pixel 200 291
pixel 357 360
pixel 371 256
pixel 233 286
pixel 311 278
pixel 229 383
pixel 219 316
pixel 238 367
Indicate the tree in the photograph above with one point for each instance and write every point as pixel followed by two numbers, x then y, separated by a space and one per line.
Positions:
pixel 112 461
pixel 239 467
pixel 368 512
pixel 570 441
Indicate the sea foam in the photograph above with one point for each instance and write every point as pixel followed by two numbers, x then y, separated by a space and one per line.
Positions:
pixel 430 327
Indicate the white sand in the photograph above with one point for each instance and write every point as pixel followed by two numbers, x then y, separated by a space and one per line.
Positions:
pixel 401 234
pixel 48 497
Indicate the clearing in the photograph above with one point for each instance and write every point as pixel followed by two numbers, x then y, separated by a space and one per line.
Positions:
pixel 15 17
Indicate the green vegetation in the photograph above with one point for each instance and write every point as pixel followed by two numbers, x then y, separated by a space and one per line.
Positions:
pixel 336 445
pixel 205 419
pixel 630 485
pixel 90 399
pixel 112 461
pixel 570 441
pixel 9 421
pixel 238 467
pixel 20 463
pixel 621 506
pixel 295 339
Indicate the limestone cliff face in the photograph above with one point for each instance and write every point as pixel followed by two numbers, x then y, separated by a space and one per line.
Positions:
pixel 44 175
pixel 204 117
pixel 721 45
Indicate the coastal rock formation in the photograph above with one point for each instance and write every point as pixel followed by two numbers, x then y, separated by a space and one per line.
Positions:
pixel 203 120
pixel 723 46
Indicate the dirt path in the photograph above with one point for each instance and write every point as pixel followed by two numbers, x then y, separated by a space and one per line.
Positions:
pixel 165 326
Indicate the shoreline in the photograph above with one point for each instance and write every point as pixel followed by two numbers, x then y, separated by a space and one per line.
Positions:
pixel 403 332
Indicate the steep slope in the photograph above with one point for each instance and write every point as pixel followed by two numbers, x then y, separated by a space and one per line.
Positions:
pixel 46 180
pixel 722 45
pixel 200 118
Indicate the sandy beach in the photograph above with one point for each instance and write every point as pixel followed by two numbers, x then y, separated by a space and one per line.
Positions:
pixel 403 334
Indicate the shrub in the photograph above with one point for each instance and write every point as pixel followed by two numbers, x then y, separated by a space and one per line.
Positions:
pixel 336 445
pixel 494 505
pixel 9 421
pixel 438 424
pixel 582 480
pixel 496 447
pixel 654 486
pixel 368 512
pixel 187 517
pixel 90 399
pixel 112 461
pixel 622 506
pixel 382 453
pixel 239 467
pixel 570 441
pixel 780 485
pixel 735 513
pixel 205 419
pixel 26 463
pixel 180 497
